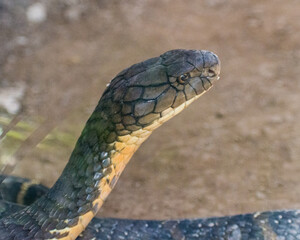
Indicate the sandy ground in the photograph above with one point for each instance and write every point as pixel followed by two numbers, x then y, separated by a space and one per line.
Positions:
pixel 235 150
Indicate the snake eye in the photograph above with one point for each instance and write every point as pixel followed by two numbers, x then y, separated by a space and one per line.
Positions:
pixel 182 78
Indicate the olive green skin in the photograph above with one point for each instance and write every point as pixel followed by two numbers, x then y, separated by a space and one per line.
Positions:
pixel 138 100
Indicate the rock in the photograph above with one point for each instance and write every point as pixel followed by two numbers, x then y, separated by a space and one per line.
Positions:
pixel 36 13
pixel 276 119
pixel 21 41
pixel 219 115
pixel 73 14
pixel 10 98
pixel 215 3
pixel 260 195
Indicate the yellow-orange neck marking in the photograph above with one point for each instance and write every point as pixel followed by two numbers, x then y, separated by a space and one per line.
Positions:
pixel 125 147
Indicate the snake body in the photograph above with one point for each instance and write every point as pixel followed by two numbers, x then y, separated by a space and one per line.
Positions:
pixel 137 101
pixel 257 226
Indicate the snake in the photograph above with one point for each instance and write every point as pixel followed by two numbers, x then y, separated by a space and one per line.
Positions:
pixel 136 102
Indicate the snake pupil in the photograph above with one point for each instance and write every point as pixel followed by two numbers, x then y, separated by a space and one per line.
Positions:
pixel 182 79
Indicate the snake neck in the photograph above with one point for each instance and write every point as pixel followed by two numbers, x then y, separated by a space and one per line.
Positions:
pixel 99 157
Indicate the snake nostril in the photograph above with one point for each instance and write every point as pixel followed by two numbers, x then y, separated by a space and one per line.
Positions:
pixel 211 73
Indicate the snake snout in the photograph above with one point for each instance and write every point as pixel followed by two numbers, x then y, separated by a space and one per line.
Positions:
pixel 212 66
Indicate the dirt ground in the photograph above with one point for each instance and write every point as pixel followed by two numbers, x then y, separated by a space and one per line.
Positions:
pixel 235 150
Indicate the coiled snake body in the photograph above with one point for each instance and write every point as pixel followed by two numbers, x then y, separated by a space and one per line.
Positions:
pixel 137 101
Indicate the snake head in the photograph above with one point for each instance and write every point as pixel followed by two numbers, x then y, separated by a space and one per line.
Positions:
pixel 148 93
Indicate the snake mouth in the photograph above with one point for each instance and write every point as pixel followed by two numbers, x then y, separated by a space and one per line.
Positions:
pixel 205 84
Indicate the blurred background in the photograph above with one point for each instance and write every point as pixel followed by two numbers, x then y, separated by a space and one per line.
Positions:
pixel 235 150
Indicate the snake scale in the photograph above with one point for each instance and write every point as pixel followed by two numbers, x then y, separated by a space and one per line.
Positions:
pixel 137 101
